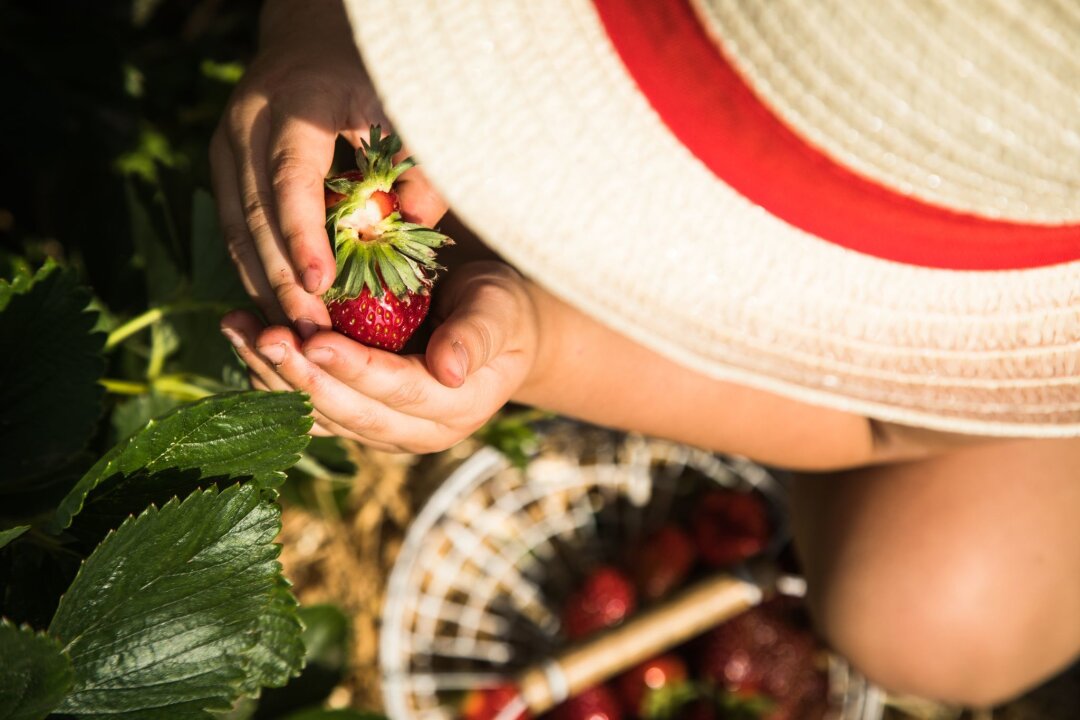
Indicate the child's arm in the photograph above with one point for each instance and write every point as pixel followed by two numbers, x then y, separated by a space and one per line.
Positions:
pixel 590 372
pixel 506 338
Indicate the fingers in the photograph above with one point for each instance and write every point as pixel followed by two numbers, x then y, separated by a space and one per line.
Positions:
pixel 274 359
pixel 356 414
pixel 401 383
pixel 234 227
pixel 486 310
pixel 302 152
pixel 243 330
pixel 249 133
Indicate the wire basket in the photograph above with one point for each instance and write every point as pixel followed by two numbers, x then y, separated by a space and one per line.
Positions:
pixel 475 594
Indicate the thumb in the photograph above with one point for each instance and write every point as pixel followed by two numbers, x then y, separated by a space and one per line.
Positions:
pixel 482 311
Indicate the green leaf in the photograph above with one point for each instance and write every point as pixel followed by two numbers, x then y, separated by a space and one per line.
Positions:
pixel 35 675
pixel 132 414
pixel 279 653
pixel 326 635
pixel 221 439
pixel 213 275
pixel 226 72
pixel 338 714
pixel 155 253
pixel 10 534
pixel 165 616
pixel 326 651
pixel 50 399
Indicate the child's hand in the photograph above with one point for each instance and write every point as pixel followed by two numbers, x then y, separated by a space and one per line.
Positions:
pixel 274 147
pixel 476 359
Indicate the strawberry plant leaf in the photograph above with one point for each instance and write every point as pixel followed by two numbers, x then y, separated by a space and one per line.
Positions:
pixel 213 275
pixel 279 653
pixel 221 439
pixel 35 675
pixel 154 251
pixel 164 618
pixel 326 654
pixel 213 279
pixel 50 399
pixel 130 415
pixel 334 714
pixel 10 534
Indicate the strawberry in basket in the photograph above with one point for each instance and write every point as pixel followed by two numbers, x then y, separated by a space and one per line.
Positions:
pixel 729 526
pixel 606 598
pixel 767 663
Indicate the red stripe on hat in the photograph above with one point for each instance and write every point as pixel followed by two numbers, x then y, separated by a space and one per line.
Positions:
pixel 712 111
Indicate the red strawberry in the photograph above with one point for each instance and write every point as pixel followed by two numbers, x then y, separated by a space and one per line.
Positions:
pixel 385 322
pixel 487 703
pixel 595 703
pixel 663 561
pixel 386 266
pixel 605 599
pixel 767 658
pixel 729 526
pixel 657 688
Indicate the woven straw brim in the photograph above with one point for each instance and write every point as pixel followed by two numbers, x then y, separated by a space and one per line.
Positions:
pixel 527 121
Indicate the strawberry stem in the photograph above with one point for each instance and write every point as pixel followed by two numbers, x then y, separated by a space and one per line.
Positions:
pixel 153 315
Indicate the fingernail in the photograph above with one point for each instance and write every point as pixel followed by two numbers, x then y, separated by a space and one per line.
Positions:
pixel 319 355
pixel 462 360
pixel 306 327
pixel 311 278
pixel 234 337
pixel 274 354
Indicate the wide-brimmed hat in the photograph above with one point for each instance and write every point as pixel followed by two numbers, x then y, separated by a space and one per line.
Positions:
pixel 873 207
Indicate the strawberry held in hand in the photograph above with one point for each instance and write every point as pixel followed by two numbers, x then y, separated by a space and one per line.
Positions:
pixel 385 265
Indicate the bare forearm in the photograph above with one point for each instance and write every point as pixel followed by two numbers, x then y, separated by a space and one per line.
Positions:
pixel 588 371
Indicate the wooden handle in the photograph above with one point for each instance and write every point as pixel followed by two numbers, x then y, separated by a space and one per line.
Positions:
pixel 650 633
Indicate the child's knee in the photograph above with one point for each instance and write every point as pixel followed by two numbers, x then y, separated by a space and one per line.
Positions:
pixel 953 632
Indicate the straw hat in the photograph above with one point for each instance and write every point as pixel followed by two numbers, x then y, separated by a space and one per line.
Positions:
pixel 873 207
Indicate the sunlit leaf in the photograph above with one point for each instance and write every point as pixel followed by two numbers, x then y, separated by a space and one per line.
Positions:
pixel 164 619
pixel 220 439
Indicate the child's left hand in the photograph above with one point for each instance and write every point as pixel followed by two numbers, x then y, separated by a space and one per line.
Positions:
pixel 480 354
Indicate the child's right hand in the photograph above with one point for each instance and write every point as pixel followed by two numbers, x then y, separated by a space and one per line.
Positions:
pixel 274 147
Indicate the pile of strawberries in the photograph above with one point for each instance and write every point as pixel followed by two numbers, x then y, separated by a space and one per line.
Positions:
pixel 764 664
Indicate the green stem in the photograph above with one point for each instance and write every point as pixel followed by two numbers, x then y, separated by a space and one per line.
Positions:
pixel 124 387
pixel 157 352
pixel 176 386
pixel 153 315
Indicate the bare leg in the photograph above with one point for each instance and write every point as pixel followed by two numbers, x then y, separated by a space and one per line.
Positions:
pixel 956 578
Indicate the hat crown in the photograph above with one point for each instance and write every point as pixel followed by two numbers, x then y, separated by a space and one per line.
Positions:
pixel 970 105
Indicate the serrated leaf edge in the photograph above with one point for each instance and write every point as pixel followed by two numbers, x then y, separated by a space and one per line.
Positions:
pixel 66 511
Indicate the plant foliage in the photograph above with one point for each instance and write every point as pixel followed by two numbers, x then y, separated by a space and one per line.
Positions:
pixel 159 558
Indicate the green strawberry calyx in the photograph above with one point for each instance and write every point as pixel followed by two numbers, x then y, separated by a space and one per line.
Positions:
pixel 374 246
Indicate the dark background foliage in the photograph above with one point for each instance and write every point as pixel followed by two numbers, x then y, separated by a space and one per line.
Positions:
pixel 106 102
